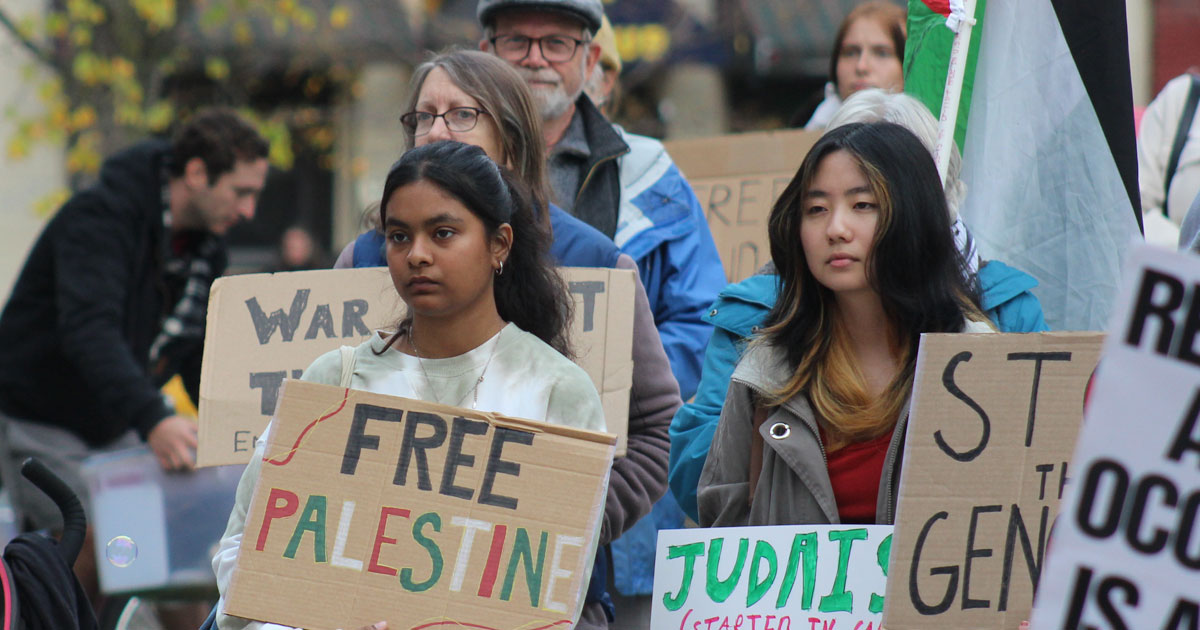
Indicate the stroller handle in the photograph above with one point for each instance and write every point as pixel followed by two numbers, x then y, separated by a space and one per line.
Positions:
pixel 74 518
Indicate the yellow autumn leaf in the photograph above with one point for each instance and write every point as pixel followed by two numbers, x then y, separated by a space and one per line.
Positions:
pixel 57 24
pixel 121 67
pixel 86 67
pixel 305 19
pixel 50 203
pixel 159 116
pixel 242 34
pixel 339 17
pixel 158 14
pixel 216 68
pixel 81 35
pixel 18 147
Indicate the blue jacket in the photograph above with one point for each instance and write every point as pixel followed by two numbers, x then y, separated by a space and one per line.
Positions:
pixel 661 226
pixel 741 309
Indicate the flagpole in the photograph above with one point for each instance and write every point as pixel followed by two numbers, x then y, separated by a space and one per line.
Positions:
pixel 962 22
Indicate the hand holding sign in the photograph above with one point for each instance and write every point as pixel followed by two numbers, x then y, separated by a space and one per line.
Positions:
pixel 371 506
pixel 173 440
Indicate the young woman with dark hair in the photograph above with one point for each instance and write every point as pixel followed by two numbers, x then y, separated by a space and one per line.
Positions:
pixel 479 99
pixel 487 317
pixel 526 290
pixel 814 419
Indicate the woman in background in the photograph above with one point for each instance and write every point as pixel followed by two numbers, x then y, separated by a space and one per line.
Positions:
pixel 868 52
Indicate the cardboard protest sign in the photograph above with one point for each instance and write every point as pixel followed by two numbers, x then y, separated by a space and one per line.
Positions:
pixel 737 178
pixel 1126 549
pixel 991 430
pixel 263 328
pixel 375 507
pixel 771 578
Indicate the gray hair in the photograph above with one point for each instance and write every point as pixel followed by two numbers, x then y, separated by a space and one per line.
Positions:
pixel 874 104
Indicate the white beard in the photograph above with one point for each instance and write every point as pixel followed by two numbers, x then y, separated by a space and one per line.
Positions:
pixel 552 101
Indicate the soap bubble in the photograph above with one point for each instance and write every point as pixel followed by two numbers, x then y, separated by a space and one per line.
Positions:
pixel 121 551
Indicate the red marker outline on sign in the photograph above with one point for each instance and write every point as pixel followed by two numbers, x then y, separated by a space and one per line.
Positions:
pixel 300 438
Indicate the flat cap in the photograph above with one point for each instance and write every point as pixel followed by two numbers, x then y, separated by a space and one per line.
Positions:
pixel 590 12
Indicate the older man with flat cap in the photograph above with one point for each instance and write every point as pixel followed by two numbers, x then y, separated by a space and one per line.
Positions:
pixel 622 184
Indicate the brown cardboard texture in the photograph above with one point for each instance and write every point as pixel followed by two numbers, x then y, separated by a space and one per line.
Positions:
pixel 737 179
pixel 373 507
pixel 263 328
pixel 991 430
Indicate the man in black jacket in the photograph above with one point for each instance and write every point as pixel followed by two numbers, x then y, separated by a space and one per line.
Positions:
pixel 112 302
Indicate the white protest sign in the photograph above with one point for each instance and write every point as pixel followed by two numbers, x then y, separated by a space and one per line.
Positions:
pixel 1126 548
pixel 771 578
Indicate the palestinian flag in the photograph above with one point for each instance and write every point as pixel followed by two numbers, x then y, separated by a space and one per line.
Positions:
pixel 927 57
pixel 1049 154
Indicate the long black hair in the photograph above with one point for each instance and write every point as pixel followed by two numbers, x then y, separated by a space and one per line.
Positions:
pixel 913 266
pixel 529 292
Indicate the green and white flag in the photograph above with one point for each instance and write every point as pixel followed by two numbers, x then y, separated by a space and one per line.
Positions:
pixel 1045 127
pixel 931 30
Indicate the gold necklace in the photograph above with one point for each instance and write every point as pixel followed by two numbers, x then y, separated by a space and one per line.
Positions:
pixel 474 391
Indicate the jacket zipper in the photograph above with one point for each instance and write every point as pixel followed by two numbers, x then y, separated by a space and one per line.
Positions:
pixel 592 171
pixel 891 507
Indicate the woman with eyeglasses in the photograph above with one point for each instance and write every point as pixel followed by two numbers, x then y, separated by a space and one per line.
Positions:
pixel 477 98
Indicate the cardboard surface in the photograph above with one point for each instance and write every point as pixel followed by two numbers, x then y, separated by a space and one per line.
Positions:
pixel 263 328
pixel 991 431
pixel 737 179
pixel 375 507
pixel 802 576
pixel 1125 551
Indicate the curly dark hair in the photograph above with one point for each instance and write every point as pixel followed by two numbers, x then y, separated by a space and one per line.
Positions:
pixel 220 138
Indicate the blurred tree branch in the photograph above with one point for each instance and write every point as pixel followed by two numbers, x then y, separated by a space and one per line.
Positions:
pixel 7 21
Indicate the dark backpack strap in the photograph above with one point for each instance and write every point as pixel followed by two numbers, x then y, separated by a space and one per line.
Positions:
pixel 1181 136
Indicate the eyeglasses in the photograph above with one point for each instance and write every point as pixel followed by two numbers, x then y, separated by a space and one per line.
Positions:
pixel 457 119
pixel 555 48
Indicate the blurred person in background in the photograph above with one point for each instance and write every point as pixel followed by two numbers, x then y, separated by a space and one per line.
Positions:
pixel 604 84
pixel 298 251
pixel 739 313
pixel 624 185
pixel 1169 157
pixel 868 52
pixel 112 303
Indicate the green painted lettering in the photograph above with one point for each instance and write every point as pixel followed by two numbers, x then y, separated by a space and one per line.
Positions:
pixel 533 571
pixel 762 551
pixel 435 554
pixel 311 520
pixel 689 553
pixel 838 599
pixel 803 545
pixel 881 556
pixel 718 589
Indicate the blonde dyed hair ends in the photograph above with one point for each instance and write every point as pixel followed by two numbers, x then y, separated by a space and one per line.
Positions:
pixel 913 266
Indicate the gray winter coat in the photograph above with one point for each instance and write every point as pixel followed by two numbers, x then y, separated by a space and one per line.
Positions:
pixel 793 485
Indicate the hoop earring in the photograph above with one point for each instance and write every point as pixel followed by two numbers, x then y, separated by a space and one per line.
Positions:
pixel 500 270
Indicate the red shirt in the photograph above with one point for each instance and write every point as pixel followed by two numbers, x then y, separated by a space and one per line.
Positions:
pixel 854 471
